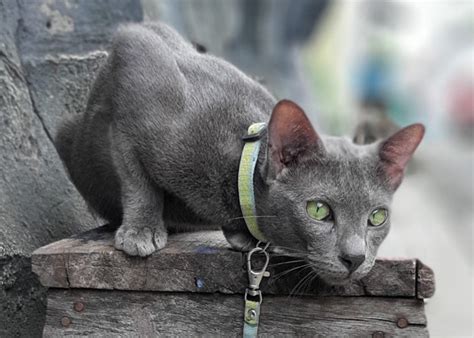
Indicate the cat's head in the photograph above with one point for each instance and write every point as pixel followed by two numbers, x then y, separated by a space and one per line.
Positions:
pixel 327 198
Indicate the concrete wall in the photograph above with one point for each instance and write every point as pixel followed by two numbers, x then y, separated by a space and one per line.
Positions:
pixel 48 60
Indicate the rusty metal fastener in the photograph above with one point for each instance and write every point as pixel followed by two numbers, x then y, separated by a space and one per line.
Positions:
pixel 402 323
pixel 65 321
pixel 79 306
pixel 378 334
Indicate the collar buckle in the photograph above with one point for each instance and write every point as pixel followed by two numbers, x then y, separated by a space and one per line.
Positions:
pixel 255 132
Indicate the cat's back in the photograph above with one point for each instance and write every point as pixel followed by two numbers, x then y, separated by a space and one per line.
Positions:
pixel 157 100
pixel 159 75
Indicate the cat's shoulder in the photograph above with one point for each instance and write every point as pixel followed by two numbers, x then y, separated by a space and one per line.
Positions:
pixel 151 34
pixel 143 60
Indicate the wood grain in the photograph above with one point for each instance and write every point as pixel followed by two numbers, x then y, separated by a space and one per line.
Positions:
pixel 425 281
pixel 202 262
pixel 128 313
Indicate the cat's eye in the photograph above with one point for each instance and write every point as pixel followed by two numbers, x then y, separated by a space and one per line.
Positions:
pixel 320 211
pixel 378 217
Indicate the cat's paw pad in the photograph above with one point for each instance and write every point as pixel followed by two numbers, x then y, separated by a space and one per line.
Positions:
pixel 138 242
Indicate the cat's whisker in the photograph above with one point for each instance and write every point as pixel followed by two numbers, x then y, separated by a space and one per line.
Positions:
pixel 303 283
pixel 308 282
pixel 256 216
pixel 284 273
pixel 316 275
pixel 295 291
pixel 275 255
pixel 288 254
pixel 289 249
pixel 295 288
pixel 286 262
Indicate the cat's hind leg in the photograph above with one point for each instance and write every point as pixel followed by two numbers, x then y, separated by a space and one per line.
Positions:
pixel 142 231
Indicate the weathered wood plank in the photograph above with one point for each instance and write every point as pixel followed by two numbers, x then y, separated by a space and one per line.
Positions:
pixel 394 278
pixel 126 313
pixel 425 281
pixel 198 262
pixel 51 270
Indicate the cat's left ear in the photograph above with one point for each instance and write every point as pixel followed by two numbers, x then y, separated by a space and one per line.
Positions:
pixel 396 151
pixel 291 137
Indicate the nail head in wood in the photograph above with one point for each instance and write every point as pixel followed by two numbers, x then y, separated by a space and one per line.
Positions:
pixel 378 334
pixel 402 323
pixel 79 306
pixel 65 321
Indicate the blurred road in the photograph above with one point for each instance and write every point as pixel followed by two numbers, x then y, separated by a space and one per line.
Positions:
pixel 433 220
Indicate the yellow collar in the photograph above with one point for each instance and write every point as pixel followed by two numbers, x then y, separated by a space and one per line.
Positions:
pixel 248 161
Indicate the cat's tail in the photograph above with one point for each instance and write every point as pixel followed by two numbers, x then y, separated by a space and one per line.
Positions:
pixel 64 140
pixel 90 171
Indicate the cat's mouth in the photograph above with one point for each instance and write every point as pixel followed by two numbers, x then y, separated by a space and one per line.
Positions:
pixel 335 274
pixel 331 272
pixel 337 277
pixel 333 277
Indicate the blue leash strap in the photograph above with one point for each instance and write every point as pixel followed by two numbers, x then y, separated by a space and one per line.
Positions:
pixel 252 306
pixel 251 318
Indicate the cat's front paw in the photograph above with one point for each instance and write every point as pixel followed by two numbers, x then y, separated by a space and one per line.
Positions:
pixel 139 242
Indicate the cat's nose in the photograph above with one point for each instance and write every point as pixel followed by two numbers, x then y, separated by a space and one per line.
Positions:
pixel 351 262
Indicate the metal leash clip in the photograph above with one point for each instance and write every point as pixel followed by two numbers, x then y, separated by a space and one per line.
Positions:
pixel 252 307
pixel 255 277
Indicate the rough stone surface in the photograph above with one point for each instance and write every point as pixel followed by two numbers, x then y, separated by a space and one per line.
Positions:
pixel 22 299
pixel 47 64
pixel 71 26
pixel 60 84
pixel 37 201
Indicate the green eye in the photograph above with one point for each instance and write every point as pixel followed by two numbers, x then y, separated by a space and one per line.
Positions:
pixel 378 217
pixel 318 210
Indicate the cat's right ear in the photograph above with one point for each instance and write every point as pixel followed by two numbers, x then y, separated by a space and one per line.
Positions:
pixel 291 137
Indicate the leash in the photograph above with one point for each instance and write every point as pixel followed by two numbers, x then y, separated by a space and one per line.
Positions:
pixel 253 295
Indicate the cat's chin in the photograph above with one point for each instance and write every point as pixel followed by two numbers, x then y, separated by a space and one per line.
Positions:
pixel 340 279
pixel 331 280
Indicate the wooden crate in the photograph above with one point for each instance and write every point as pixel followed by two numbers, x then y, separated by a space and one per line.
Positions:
pixel 195 286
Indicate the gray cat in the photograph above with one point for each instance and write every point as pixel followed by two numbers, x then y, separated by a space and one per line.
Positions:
pixel 160 143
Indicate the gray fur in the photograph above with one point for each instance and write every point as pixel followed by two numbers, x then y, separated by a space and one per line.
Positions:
pixel 160 145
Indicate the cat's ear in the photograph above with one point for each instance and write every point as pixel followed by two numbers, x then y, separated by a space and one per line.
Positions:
pixel 291 137
pixel 396 151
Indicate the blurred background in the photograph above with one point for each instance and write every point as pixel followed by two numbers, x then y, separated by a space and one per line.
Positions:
pixel 363 69
pixel 359 68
